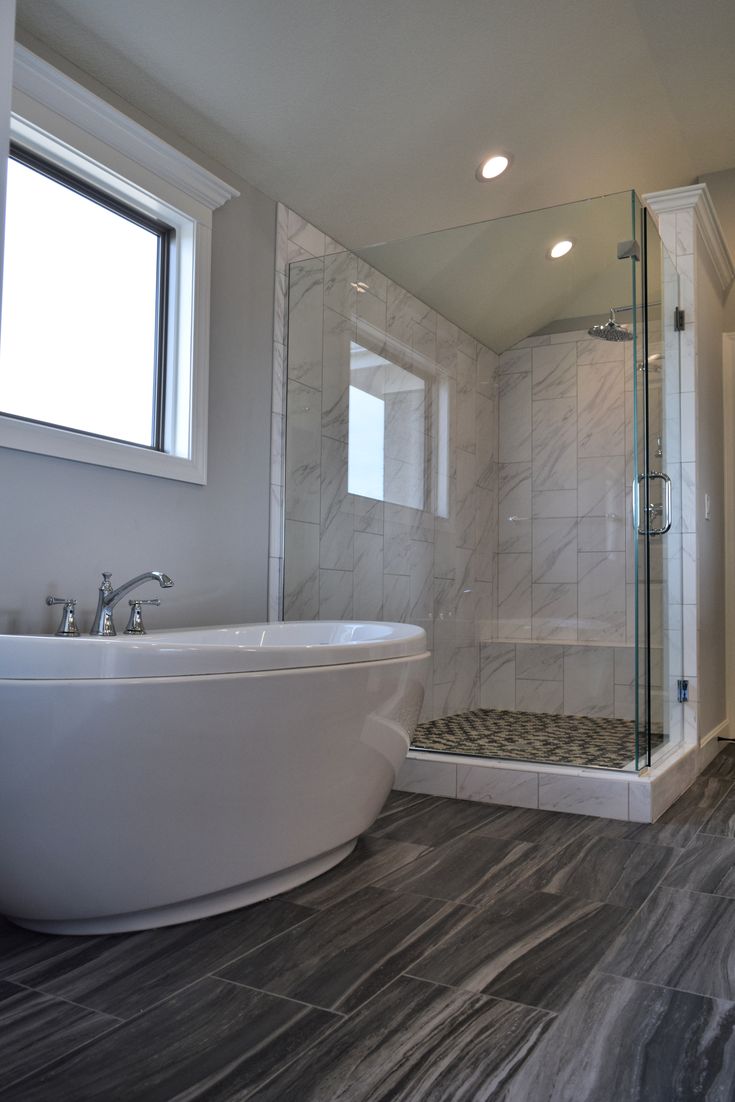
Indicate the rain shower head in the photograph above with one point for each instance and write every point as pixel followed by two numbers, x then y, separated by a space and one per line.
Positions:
pixel 610 331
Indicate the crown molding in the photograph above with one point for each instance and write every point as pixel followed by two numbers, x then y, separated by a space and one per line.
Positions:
pixel 45 84
pixel 697 199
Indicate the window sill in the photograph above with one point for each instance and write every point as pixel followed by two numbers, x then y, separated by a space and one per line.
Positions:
pixel 63 444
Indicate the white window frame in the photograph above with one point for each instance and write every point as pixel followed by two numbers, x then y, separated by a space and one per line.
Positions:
pixel 61 121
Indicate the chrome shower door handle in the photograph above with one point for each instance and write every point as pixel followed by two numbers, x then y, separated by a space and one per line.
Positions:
pixel 667 517
pixel 653 510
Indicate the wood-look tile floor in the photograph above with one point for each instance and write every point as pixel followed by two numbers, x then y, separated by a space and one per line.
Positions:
pixel 463 953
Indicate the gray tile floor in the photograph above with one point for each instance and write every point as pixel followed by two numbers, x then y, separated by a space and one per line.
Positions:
pixel 463 953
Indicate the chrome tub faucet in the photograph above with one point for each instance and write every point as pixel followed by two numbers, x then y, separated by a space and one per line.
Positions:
pixel 109 597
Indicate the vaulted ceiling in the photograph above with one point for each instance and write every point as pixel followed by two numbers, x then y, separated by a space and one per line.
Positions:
pixel 369 116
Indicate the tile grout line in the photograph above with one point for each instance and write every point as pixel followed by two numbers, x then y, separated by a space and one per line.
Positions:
pixel 340 1015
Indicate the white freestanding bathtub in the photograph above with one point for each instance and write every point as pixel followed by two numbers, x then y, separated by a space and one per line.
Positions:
pixel 150 781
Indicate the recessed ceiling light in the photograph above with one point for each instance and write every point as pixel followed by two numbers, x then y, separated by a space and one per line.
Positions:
pixel 561 248
pixel 492 167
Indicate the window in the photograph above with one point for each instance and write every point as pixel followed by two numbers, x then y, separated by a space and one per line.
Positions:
pixel 104 339
pixel 396 416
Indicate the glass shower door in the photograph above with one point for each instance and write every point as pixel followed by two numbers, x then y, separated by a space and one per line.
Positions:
pixel 657 543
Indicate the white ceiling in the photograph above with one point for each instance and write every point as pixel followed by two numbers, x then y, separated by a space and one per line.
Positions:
pixel 369 116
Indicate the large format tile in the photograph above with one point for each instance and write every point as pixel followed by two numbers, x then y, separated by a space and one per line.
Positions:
pixel 433 823
pixel 469 864
pixel 620 1041
pixel 536 949
pixel 606 870
pixel 344 955
pixel 722 819
pixel 215 1040
pixel 415 1042
pixel 124 974
pixel 707 865
pixel 723 765
pixel 553 828
pixel 35 1029
pixel 680 822
pixel 371 859
pixel 680 939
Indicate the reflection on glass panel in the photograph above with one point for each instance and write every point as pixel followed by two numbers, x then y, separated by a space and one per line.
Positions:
pixel 389 430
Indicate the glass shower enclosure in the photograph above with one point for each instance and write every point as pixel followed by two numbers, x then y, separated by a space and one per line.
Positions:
pixel 484 440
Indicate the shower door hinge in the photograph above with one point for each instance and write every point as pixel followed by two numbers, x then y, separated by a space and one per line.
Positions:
pixel 682 691
pixel 628 250
pixel 679 320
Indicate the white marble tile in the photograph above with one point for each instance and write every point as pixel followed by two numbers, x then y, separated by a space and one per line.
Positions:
pixel 689 427
pixel 372 310
pixel 589 680
pixel 555 371
pixel 280 299
pixel 465 500
pixel 639 801
pixel 555 550
pixel 554 444
pixel 278 390
pixel 486 437
pixel 421 578
pixel 301 571
pixel 689 618
pixel 303 451
pixel 466 399
pixel 303 234
pixel 624 702
pixel 275 588
pixel 336 519
pixel 592 351
pixel 601 416
pixel 498 676
pixel 555 611
pixel 624 666
pixel 338 332
pixel 435 778
pixel 305 313
pixel 278 454
pixel 539 696
pixel 688 497
pixel 340 279
pixel 514 418
pixel 491 785
pixel 335 595
pixel 281 237
pixel 376 282
pixel 487 371
pixel 368 576
pixel 331 246
pixel 602 533
pixel 486 532
pixel 584 795
pixel 554 503
pixel 423 340
pixel 275 521
pixel 447 344
pixel 602 599
pixel 689 569
pixel 514 596
pixel 403 310
pixel 514 507
pixel 396 597
pixel 516 359
pixel 462 693
pixel 540 662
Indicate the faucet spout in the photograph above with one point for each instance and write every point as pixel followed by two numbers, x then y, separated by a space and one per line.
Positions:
pixel 109 597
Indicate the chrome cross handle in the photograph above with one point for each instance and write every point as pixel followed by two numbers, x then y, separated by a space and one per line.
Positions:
pixel 135 620
pixel 68 625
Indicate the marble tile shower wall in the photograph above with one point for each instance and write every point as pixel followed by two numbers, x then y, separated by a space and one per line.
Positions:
pixel 352 556
pixel 565 554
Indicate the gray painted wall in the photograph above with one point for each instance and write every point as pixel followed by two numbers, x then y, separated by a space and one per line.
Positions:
pixel 62 522
pixel 7 22
pixel 710 479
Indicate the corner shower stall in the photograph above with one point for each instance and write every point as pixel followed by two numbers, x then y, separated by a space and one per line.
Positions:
pixel 485 440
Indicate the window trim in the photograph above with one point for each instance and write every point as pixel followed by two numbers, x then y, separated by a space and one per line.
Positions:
pixel 60 121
